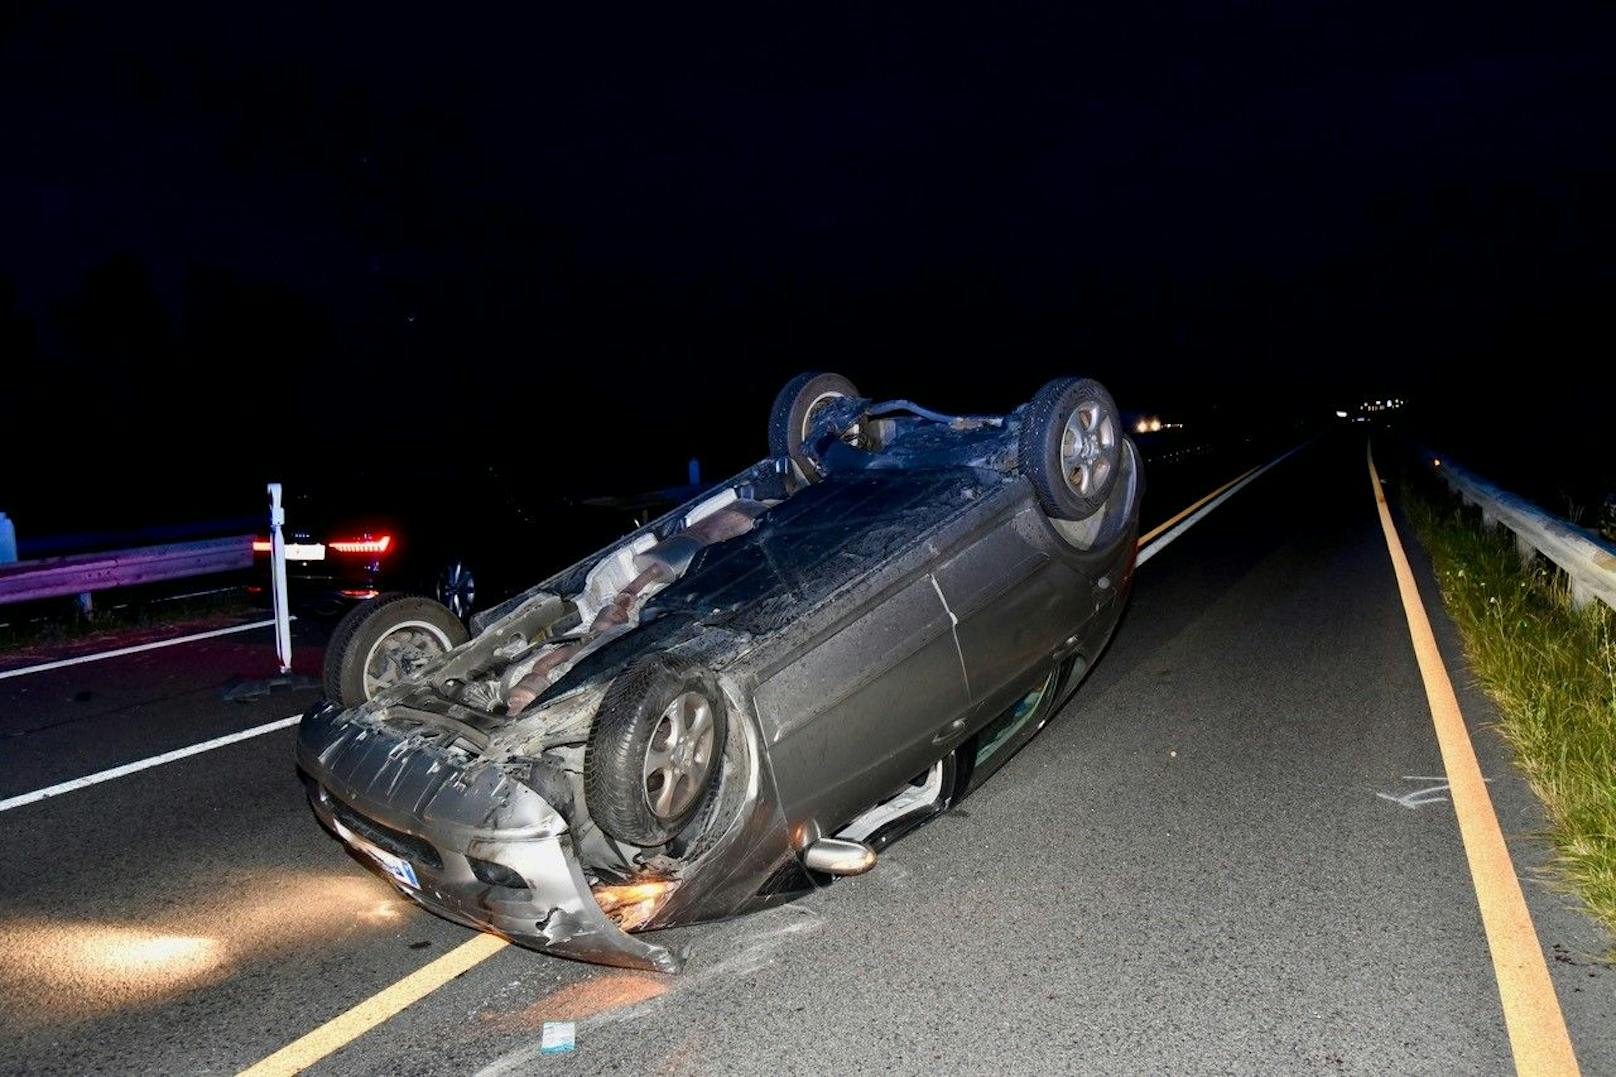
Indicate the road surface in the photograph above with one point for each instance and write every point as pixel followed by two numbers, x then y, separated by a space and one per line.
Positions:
pixel 1233 851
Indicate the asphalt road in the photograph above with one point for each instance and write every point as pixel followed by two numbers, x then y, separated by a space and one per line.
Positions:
pixel 1201 866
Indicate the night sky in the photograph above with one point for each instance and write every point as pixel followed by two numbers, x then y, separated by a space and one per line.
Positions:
pixel 245 242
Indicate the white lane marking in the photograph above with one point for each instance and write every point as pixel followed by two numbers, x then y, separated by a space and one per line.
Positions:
pixel 1191 520
pixel 154 645
pixel 142 764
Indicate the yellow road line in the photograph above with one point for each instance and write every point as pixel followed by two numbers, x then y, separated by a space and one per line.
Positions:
pixel 346 1027
pixel 1537 1031
pixel 1159 528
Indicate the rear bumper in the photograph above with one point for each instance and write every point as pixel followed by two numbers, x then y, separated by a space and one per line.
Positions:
pixel 412 805
pixel 323 582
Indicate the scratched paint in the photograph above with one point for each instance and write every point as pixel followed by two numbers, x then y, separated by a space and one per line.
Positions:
pixel 953 627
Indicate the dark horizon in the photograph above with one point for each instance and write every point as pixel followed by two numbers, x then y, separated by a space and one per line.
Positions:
pixel 599 249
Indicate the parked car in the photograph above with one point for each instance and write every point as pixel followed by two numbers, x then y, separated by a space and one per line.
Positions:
pixel 466 537
pixel 755 692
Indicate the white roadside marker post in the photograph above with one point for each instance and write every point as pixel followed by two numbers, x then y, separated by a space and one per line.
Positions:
pixel 277 571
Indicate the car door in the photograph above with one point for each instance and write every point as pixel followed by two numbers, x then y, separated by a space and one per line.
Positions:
pixel 859 711
pixel 1017 608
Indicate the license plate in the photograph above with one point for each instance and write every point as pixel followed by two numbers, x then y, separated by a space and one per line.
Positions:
pixel 398 869
pixel 305 551
pixel 401 870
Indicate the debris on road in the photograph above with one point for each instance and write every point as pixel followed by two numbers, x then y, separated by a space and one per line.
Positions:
pixel 557 1037
pixel 242 690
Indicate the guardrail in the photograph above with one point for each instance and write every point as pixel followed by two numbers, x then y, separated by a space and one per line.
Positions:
pixel 83 573
pixel 74 574
pixel 1589 562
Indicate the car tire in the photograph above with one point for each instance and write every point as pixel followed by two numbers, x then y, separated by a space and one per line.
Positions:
pixel 1071 446
pixel 419 627
pixel 791 417
pixel 655 750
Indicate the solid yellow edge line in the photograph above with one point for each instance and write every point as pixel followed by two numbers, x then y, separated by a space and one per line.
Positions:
pixel 1537 1030
pixel 1159 528
pixel 350 1025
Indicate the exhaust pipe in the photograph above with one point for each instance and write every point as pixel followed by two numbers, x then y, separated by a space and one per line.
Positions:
pixel 837 856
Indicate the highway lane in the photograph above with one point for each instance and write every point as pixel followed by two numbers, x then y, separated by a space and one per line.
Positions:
pixel 1191 870
pixel 172 922
pixel 62 723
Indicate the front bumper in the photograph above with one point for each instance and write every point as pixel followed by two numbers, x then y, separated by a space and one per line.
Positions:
pixel 395 802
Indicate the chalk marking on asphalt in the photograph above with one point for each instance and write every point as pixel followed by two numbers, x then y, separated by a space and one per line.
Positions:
pixel 1187 519
pixel 1537 1030
pixel 1419 798
pixel 1431 794
pixel 135 649
pixel 351 1024
pixel 144 764
pixel 348 1026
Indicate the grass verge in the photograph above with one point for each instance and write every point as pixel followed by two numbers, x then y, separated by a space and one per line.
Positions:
pixel 1552 671
pixel 57 624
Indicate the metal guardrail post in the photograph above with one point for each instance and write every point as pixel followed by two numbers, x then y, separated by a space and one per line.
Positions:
pixel 277 569
pixel 1528 552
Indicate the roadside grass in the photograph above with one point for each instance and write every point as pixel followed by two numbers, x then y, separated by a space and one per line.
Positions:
pixel 1552 671
pixel 59 623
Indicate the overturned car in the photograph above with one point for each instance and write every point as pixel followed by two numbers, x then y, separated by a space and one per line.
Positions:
pixel 749 696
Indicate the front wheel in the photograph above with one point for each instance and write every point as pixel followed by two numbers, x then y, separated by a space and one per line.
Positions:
pixel 655 750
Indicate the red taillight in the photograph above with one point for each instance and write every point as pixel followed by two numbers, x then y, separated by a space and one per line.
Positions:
pixel 261 546
pixel 379 544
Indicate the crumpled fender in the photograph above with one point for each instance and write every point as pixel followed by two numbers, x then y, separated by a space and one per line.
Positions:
pixel 374 788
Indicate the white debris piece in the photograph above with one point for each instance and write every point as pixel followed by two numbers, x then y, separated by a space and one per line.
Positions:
pixel 557 1036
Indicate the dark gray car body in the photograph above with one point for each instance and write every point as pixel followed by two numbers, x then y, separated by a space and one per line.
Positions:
pixel 901 611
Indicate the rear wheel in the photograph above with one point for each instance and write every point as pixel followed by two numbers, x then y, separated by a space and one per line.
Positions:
pixel 655 750
pixel 1071 447
pixel 457 588
pixel 791 419
pixel 385 640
